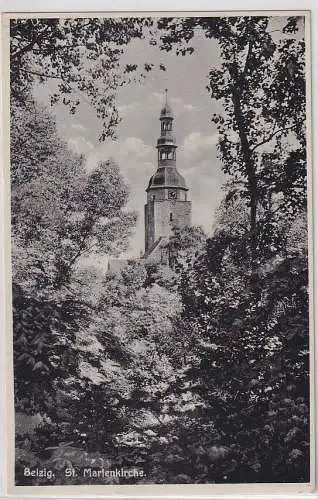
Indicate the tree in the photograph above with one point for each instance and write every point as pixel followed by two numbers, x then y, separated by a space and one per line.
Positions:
pixel 245 297
pixel 250 361
pixel 184 245
pixel 142 315
pixel 261 86
pixel 60 212
pixel 81 55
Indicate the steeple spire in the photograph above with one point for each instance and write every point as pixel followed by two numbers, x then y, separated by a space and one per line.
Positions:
pixel 166 143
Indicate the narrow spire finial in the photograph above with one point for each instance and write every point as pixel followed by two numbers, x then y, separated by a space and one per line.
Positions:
pixel 166 91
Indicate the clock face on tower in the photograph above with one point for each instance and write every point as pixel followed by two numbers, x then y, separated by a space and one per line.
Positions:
pixel 172 195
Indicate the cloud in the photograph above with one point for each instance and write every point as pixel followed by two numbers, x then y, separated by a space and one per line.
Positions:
pixel 71 128
pixel 126 153
pixel 208 168
pixel 159 96
pixel 196 141
pixel 136 146
pixel 76 136
pixel 175 101
pixel 204 181
pixel 80 145
pixel 124 108
pixel 178 104
pixel 78 127
pixel 190 107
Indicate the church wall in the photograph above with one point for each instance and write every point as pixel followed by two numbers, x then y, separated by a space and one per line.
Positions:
pixel 163 194
pixel 162 216
pixel 149 226
pixel 181 213
pixel 156 194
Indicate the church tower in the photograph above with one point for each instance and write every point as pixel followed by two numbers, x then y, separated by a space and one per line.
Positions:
pixel 167 204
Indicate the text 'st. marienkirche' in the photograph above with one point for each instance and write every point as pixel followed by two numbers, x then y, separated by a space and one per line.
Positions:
pixel 167 204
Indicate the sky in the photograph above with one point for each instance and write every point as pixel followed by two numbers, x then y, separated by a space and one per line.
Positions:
pixel 139 105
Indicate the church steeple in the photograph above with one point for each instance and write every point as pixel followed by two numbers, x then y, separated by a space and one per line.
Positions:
pixel 166 143
pixel 167 175
pixel 167 204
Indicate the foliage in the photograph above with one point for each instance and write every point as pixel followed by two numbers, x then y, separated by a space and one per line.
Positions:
pixel 185 244
pixel 261 86
pixel 60 211
pixel 251 364
pixel 60 214
pixel 245 296
pixel 80 56
pixel 196 372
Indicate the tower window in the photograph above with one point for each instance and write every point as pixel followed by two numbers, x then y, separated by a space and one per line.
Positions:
pixel 171 217
pixel 165 126
pixel 163 155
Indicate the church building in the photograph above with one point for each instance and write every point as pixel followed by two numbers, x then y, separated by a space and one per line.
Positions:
pixel 167 206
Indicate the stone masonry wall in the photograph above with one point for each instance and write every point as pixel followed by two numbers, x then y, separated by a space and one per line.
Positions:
pixel 162 216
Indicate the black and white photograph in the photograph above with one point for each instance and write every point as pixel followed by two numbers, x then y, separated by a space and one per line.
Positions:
pixel 160 194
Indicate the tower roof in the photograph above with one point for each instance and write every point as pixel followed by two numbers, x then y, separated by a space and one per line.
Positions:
pixel 166 111
pixel 167 177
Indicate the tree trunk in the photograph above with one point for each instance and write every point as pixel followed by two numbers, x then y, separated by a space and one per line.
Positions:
pixel 249 168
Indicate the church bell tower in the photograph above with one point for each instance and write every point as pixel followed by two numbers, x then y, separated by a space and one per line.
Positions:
pixel 167 204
